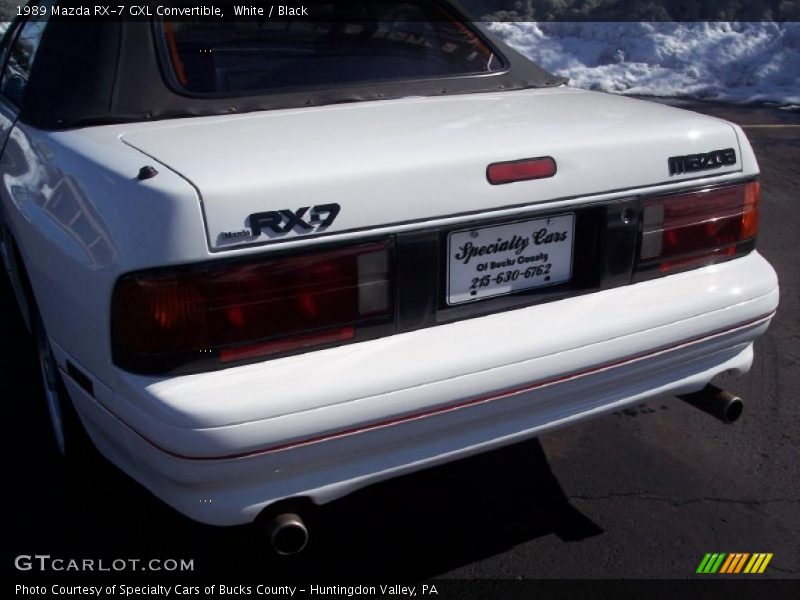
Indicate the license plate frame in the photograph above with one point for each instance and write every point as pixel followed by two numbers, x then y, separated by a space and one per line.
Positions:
pixel 467 269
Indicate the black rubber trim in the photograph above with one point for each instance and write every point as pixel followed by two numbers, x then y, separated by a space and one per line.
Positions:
pixel 80 378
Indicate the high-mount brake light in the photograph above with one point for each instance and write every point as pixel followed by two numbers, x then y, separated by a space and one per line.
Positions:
pixel 692 229
pixel 166 319
pixel 520 170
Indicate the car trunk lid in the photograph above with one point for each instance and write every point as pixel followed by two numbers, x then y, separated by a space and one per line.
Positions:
pixel 375 165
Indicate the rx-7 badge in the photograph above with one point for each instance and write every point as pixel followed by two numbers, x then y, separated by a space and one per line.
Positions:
pixel 283 221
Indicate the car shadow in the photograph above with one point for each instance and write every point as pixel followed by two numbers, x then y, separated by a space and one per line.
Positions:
pixel 413 527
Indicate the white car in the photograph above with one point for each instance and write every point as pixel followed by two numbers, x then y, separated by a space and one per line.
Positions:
pixel 268 263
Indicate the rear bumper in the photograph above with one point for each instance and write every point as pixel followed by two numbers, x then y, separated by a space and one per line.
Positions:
pixel 221 446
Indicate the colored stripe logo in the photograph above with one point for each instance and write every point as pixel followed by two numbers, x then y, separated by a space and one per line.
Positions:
pixel 734 563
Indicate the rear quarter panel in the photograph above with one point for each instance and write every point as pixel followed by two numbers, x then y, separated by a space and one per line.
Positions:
pixel 80 218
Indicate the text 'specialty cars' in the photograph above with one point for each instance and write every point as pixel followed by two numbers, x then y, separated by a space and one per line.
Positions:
pixel 269 262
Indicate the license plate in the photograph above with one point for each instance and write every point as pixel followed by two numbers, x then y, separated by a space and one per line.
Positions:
pixel 494 261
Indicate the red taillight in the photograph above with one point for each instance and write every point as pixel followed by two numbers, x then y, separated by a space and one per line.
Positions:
pixel 703 227
pixel 521 170
pixel 227 312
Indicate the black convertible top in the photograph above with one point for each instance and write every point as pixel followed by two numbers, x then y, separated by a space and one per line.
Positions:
pixel 94 72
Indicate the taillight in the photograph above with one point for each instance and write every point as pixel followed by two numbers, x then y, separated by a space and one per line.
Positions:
pixel 684 231
pixel 194 318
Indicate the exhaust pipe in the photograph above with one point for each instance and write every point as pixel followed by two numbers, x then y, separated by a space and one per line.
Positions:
pixel 287 534
pixel 718 403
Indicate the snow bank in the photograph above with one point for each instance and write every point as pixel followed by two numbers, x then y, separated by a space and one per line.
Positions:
pixel 732 62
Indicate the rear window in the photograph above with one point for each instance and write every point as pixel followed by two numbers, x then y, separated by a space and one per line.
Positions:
pixel 371 42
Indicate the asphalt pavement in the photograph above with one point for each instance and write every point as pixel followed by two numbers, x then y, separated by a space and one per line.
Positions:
pixel 643 493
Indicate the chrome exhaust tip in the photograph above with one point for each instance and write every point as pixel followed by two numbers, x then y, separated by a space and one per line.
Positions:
pixel 287 534
pixel 719 403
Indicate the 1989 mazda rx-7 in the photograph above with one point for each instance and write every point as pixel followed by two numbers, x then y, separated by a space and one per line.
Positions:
pixel 267 261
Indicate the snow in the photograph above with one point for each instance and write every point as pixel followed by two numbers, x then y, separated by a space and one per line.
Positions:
pixel 730 62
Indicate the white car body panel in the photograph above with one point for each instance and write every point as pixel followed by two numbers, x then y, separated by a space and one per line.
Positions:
pixel 221 446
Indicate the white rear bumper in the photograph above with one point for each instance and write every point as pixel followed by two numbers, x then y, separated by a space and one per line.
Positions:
pixel 221 446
